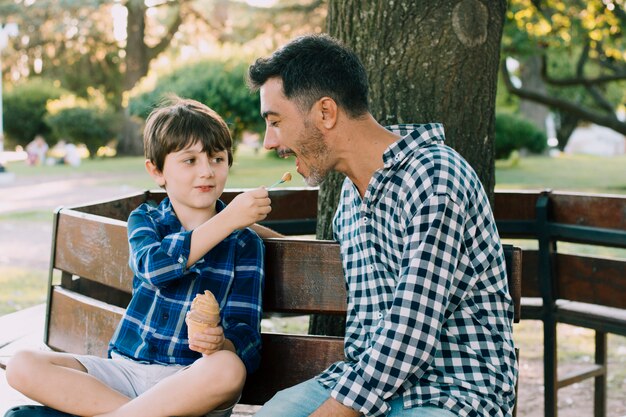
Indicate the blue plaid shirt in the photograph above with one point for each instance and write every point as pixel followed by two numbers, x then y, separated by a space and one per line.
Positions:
pixel 153 328
pixel 429 311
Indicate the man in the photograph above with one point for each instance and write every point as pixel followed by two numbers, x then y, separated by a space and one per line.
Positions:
pixel 429 317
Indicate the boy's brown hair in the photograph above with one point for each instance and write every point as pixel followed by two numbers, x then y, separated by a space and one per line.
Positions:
pixel 178 124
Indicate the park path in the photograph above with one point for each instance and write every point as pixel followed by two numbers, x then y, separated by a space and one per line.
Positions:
pixel 25 241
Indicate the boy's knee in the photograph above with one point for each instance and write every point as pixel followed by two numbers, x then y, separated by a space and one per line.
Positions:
pixel 226 366
pixel 20 368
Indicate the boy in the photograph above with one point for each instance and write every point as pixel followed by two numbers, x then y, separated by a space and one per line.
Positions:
pixel 190 243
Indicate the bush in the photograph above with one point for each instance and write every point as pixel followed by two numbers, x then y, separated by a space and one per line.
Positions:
pixel 220 85
pixel 516 133
pixel 88 125
pixel 25 110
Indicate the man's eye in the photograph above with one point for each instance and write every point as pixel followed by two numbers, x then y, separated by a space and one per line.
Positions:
pixel 273 123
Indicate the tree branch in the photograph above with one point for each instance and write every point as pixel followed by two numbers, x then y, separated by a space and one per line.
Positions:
pixel 580 78
pixel 610 121
pixel 165 41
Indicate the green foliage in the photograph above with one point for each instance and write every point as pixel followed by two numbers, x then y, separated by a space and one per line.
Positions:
pixel 220 85
pixel 25 108
pixel 515 133
pixel 88 125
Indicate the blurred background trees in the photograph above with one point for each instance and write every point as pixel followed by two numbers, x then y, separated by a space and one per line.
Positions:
pixel 569 58
pixel 103 49
pixel 561 59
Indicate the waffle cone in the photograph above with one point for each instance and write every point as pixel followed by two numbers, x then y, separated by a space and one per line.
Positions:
pixel 205 312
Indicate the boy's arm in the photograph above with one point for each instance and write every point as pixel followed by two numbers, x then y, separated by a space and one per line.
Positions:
pixel 245 209
pixel 265 232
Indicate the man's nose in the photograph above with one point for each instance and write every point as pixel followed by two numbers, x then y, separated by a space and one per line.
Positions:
pixel 269 141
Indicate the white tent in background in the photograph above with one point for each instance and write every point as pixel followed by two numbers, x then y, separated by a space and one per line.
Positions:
pixel 596 140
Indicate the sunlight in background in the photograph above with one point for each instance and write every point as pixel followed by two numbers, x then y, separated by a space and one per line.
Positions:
pixel 261 3
pixel 120 15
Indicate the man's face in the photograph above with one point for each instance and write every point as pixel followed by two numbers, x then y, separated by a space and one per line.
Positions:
pixel 290 132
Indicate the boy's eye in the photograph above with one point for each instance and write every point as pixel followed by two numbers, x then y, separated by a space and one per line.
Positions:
pixel 217 160
pixel 189 161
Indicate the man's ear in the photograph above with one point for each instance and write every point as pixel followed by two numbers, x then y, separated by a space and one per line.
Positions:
pixel 327 112
pixel 154 172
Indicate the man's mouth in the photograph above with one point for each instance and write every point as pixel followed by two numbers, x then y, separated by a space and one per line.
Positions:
pixel 285 153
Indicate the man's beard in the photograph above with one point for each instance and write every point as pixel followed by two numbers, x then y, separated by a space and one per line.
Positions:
pixel 313 146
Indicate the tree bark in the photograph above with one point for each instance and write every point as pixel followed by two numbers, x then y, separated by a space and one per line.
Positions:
pixel 429 61
pixel 530 74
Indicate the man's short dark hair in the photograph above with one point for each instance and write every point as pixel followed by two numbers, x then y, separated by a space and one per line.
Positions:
pixel 312 67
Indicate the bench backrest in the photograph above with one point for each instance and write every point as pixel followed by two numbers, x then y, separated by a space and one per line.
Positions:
pixel 553 219
pixel 91 284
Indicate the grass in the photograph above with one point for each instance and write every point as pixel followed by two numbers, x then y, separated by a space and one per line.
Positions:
pixel 21 288
pixel 605 175
pixel 249 170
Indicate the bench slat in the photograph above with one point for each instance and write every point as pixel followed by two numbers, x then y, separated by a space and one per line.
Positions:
pixel 303 276
pixel 588 210
pixel 288 360
pixel 80 324
pixel 94 247
pixel 591 280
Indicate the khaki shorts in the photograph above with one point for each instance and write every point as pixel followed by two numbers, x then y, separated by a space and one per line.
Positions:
pixel 133 378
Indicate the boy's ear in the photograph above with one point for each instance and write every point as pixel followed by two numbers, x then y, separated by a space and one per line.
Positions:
pixel 154 172
pixel 326 110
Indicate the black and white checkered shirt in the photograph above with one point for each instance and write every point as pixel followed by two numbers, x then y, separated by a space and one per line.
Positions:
pixel 429 312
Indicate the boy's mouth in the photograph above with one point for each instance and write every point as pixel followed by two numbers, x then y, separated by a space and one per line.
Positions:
pixel 204 188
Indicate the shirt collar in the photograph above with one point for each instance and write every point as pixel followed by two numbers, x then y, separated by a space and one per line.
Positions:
pixel 168 215
pixel 414 136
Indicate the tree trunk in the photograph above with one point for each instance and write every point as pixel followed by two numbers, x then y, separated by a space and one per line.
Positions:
pixel 429 61
pixel 530 74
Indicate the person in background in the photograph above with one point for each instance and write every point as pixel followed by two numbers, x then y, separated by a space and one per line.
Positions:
pixel 36 151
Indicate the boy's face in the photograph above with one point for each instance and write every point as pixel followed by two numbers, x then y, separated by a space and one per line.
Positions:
pixel 192 178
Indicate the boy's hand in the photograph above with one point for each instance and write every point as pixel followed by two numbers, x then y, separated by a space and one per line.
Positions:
pixel 249 207
pixel 209 341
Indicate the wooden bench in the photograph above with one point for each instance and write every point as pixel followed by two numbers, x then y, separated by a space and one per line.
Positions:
pixel 583 290
pixel 90 285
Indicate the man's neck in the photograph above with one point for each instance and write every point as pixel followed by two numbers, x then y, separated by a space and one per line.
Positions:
pixel 360 150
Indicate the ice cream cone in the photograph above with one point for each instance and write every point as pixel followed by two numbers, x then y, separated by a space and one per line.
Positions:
pixel 204 312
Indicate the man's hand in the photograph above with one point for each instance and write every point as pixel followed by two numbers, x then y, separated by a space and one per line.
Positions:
pixel 333 408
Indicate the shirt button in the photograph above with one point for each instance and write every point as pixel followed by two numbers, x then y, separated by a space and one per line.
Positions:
pixel 398 157
pixel 379 315
pixel 370 268
pixel 166 316
pixel 181 259
pixel 365 220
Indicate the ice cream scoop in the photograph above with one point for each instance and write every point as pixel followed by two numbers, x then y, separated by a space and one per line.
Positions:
pixel 204 312
pixel 286 177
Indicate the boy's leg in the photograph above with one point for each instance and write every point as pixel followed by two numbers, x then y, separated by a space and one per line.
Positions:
pixel 297 401
pixel 212 382
pixel 60 381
